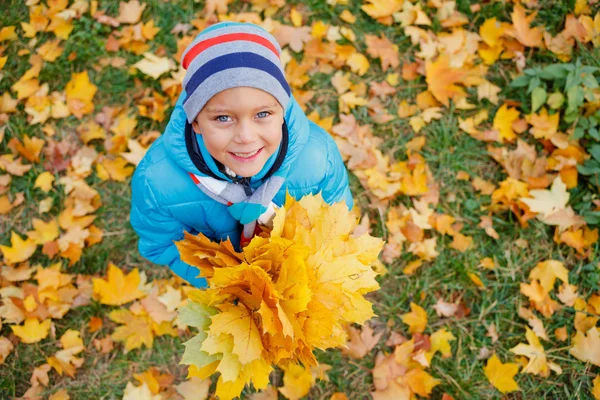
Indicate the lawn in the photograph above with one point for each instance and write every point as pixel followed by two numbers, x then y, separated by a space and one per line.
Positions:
pixel 469 130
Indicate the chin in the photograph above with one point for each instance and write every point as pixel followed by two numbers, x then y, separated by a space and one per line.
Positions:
pixel 247 173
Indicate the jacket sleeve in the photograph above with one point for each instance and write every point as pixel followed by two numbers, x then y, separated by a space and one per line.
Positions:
pixel 335 184
pixel 157 231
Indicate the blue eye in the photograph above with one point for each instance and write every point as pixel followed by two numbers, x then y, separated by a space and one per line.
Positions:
pixel 222 118
pixel 263 114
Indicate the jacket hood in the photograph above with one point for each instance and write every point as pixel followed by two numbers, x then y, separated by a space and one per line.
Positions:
pixel 175 142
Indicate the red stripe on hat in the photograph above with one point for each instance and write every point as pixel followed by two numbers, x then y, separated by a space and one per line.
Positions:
pixel 230 37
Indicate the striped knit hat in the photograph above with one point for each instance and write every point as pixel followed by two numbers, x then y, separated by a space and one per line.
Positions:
pixel 228 55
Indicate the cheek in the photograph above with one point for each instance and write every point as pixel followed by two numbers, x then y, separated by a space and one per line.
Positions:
pixel 273 132
pixel 215 141
pixel 273 135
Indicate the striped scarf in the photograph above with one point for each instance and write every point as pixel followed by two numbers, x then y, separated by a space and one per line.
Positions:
pixel 244 205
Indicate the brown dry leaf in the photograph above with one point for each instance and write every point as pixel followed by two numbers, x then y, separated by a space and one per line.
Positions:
pixel 130 12
pixel 536 324
pixel 39 375
pixel 6 348
pixel 361 341
pixel 13 166
pixel 383 49
pixel 492 333
pixel 483 186
pixel 157 310
pixel 445 309
pixel 198 389
pixel 293 37
pixel 104 345
pixel 487 224
pixel 95 324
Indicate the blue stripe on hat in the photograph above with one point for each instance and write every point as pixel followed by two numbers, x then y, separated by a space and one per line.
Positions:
pixel 235 60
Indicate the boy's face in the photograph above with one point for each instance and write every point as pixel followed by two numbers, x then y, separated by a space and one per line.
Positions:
pixel 241 128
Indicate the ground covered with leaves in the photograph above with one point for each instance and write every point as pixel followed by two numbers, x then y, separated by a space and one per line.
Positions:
pixel 471 134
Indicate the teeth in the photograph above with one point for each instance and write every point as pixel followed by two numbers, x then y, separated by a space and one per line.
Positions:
pixel 246 155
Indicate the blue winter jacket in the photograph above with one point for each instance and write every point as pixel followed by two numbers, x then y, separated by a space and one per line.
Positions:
pixel 166 202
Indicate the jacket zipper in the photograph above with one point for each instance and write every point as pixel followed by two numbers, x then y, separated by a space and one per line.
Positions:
pixel 245 182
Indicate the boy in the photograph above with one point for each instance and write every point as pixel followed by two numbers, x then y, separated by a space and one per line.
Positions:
pixel 235 143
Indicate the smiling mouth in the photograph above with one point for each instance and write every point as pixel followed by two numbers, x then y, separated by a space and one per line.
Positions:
pixel 246 156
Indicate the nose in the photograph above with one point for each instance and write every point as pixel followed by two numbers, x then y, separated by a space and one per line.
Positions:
pixel 246 133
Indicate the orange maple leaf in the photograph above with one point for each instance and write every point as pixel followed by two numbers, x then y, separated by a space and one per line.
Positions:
pixel 442 79
pixel 522 31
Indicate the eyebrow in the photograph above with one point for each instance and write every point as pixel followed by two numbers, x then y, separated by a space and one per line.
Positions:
pixel 221 110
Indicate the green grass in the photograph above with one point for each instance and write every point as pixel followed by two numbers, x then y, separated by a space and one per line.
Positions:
pixel 447 152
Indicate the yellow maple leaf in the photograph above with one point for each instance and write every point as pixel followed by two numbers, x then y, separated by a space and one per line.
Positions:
pixel 420 382
pixel 8 33
pixel 416 319
pixel 509 192
pixel 538 363
pixel 596 388
pixel 503 120
pixel 64 361
pixel 124 124
pixel 118 289
pixel 116 169
pixel 238 322
pixel 381 8
pixel 502 376
pixel 32 331
pixel 31 148
pixel 80 94
pixel 544 126
pixel 442 79
pixel 491 32
pixel 136 152
pixel 148 378
pixel 440 341
pixel 297 382
pixel 546 272
pixel 135 331
pixel 349 101
pixel 50 50
pixel 358 63
pixel 44 181
pixel 43 231
pixel 20 250
pixel 586 347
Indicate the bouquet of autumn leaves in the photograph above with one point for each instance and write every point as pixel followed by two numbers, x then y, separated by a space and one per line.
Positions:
pixel 291 290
